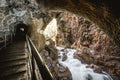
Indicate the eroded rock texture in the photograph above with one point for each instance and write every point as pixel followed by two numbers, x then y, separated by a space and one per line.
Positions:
pixel 106 14
pixel 95 46
pixel 73 31
pixel 13 12
pixel 50 55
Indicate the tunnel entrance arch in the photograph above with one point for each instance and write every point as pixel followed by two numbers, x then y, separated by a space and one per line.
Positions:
pixel 21 31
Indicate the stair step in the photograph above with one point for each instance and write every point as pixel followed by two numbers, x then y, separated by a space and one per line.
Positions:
pixel 12 64
pixel 16 76
pixel 13 70
pixel 3 56
pixel 11 67
pixel 13 58
pixel 14 61
pixel 12 47
pixel 15 51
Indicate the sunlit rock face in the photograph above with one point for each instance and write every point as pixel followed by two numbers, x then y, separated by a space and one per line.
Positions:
pixel 96 46
pixel 104 13
pixel 50 31
pixel 37 33
pixel 2 3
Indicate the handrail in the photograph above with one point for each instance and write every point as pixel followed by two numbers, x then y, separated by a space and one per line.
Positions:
pixel 43 68
pixel 5 39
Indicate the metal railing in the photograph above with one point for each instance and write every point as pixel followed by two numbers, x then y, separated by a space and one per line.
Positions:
pixel 6 37
pixel 38 62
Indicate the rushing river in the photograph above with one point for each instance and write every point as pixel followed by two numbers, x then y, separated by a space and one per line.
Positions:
pixel 78 69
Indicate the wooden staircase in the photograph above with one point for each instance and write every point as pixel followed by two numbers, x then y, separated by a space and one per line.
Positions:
pixel 14 62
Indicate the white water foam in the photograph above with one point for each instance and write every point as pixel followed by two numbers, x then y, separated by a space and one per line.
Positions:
pixel 78 69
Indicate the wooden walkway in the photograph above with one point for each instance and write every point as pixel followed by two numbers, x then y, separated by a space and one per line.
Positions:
pixel 14 62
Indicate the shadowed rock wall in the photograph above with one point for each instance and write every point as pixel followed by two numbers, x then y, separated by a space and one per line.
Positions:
pixel 105 13
pixel 77 32
pixel 95 45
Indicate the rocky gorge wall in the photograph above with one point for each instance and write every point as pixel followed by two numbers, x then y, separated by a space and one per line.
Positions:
pixel 77 32
pixel 96 46
pixel 74 31
pixel 106 13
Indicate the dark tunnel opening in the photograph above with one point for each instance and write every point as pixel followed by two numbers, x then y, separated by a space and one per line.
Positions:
pixel 21 31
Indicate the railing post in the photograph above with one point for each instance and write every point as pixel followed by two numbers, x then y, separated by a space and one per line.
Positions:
pixel 33 67
pixel 5 40
pixel 11 37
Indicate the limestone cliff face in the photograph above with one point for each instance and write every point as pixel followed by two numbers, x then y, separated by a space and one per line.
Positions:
pixel 77 32
pixel 96 46
pixel 105 13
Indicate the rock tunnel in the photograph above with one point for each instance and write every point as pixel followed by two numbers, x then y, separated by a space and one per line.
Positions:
pixel 92 28
pixel 21 31
pixel 103 13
